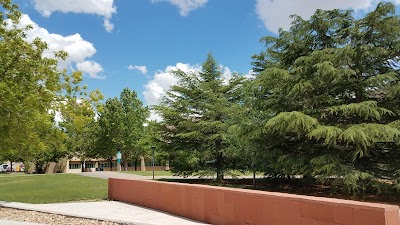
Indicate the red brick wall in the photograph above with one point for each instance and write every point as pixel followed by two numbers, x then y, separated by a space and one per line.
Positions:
pixel 228 206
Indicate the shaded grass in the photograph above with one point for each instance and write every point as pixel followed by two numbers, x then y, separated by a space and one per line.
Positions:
pixel 51 188
pixel 149 173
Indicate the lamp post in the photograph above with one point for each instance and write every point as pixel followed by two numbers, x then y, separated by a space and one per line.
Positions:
pixel 153 147
pixel 119 155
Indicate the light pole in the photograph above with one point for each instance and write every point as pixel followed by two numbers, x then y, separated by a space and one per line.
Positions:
pixel 153 147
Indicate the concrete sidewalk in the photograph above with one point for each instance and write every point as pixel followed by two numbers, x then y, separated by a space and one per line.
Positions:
pixel 9 222
pixel 114 174
pixel 106 210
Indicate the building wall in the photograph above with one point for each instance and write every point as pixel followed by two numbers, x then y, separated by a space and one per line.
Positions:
pixel 230 206
pixel 74 165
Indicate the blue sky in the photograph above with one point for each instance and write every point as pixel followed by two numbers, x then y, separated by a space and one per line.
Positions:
pixel 136 43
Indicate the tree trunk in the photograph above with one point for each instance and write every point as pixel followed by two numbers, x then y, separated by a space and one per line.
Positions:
pixel 39 168
pixel 136 164
pixel 111 164
pixel 126 164
pixel 83 166
pixel 220 167
pixel 254 177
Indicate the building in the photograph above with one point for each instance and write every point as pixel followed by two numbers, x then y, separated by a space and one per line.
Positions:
pixel 74 165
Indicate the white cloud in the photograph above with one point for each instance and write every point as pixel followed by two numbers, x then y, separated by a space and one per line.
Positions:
pixel 77 48
pixel 275 13
pixel 163 80
pixel 185 6
pixel 250 74
pixel 109 26
pixel 103 8
pixel 141 69
pixel 226 74
pixel 90 67
pixel 161 83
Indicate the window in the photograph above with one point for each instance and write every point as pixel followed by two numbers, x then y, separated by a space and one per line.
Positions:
pixel 89 165
pixel 150 163
pixel 114 165
pixel 74 166
pixel 105 164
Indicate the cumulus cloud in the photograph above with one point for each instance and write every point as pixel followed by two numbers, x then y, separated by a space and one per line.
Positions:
pixel 90 67
pixel 185 6
pixel 275 13
pixel 161 83
pixel 103 8
pixel 226 74
pixel 163 80
pixel 250 75
pixel 77 48
pixel 141 69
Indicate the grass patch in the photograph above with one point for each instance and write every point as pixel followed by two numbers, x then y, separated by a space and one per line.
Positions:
pixel 149 173
pixel 51 188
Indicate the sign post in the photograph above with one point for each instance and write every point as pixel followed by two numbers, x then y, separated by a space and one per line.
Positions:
pixel 119 155
pixel 153 147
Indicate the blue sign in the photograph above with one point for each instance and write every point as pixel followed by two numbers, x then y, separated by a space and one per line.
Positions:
pixel 119 155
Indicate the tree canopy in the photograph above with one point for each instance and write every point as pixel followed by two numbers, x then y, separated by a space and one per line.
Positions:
pixel 331 84
pixel 121 127
pixel 196 117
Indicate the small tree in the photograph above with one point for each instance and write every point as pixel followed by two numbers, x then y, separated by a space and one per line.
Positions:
pixel 78 111
pixel 121 127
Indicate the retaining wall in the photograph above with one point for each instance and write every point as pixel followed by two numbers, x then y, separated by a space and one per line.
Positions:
pixel 229 206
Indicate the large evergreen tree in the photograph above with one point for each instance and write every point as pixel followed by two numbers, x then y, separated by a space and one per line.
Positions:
pixel 331 84
pixel 196 116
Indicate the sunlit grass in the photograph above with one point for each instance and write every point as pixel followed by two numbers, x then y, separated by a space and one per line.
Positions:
pixel 51 188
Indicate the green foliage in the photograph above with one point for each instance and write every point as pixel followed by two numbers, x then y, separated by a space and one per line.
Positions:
pixel 290 122
pixel 121 127
pixel 196 118
pixel 29 85
pixel 329 134
pixel 365 110
pixel 78 110
pixel 32 92
pixel 331 86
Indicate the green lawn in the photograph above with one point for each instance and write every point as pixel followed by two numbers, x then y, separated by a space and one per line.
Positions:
pixel 51 188
pixel 149 173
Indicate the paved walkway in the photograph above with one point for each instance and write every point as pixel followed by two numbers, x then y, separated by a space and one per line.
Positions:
pixel 114 174
pixel 9 222
pixel 105 210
